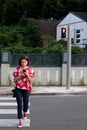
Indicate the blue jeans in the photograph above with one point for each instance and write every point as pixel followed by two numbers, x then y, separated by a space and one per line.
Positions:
pixel 22 98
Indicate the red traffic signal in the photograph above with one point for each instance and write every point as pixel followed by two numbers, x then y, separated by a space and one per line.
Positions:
pixel 63 32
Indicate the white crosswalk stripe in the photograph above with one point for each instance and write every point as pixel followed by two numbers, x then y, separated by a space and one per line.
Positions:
pixel 13 122
pixel 8 106
pixel 10 111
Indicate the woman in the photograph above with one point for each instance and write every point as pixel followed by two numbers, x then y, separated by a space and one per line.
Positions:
pixel 23 76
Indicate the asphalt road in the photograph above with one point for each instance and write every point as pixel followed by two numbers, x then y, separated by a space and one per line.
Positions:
pixel 54 113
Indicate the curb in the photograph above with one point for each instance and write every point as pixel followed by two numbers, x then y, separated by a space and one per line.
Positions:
pixel 77 93
pixel 8 91
pixel 48 94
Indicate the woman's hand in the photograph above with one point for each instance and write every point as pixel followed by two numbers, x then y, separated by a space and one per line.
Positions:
pixel 27 75
pixel 17 78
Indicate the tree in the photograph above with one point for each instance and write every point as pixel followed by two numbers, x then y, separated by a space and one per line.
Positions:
pixel 12 11
pixel 33 8
pixel 84 5
pixel 73 5
pixel 53 8
pixel 23 20
pixel 1 9
pixel 32 36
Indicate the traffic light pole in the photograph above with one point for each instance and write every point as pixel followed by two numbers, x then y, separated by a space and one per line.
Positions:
pixel 68 58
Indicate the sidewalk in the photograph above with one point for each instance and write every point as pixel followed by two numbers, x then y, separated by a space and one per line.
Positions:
pixel 50 90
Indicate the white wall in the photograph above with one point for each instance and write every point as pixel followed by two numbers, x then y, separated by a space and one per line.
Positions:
pixel 44 75
pixel 48 75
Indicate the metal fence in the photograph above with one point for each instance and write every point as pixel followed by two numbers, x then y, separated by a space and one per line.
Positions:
pixel 49 60
pixel 79 60
pixel 39 60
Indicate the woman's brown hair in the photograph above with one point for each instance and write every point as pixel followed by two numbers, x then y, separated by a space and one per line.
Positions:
pixel 25 58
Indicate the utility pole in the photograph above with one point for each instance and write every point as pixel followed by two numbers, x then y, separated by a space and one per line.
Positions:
pixel 68 58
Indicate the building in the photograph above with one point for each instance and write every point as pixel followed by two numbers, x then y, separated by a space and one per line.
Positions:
pixel 78 22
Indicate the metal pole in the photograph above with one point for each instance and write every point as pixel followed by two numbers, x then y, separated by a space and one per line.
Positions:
pixel 68 57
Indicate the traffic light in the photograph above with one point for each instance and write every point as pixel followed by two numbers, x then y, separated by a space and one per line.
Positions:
pixel 63 32
pixel 78 36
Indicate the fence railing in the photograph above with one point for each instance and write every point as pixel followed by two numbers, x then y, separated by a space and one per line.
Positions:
pixel 49 60
pixel 79 60
pixel 39 60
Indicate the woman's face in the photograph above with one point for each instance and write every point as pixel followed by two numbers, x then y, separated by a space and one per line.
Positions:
pixel 24 63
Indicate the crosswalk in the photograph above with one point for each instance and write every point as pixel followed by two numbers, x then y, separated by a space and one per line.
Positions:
pixel 8 113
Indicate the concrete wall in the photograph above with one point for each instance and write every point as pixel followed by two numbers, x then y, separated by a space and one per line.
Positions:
pixel 48 75
pixel 43 76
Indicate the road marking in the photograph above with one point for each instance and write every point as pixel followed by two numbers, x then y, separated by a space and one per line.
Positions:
pixel 7 98
pixel 10 111
pixel 8 102
pixel 13 122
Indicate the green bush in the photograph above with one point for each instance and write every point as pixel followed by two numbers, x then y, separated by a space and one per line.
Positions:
pixel 76 50
pixel 55 47
pixel 4 41
pixel 27 39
